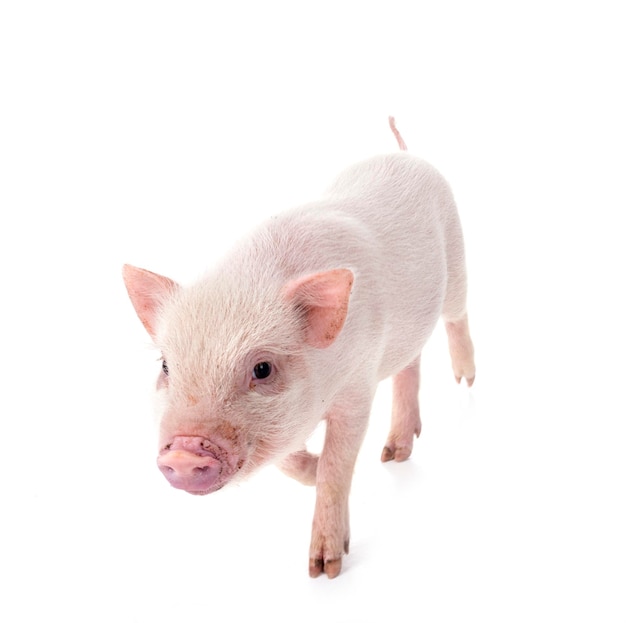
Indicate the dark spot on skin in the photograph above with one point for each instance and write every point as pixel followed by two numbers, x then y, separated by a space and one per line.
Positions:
pixel 228 431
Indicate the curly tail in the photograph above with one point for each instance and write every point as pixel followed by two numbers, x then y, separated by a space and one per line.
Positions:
pixel 392 125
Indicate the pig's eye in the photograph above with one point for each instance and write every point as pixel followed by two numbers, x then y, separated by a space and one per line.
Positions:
pixel 262 370
pixel 165 369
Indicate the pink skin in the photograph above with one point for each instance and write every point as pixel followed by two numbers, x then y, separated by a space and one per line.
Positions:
pixel 193 464
pixel 461 350
pixel 396 133
pixel 199 458
pixel 330 538
pixel 405 414
pixel 334 296
pixel 301 466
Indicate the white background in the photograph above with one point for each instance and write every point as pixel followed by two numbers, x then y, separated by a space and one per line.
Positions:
pixel 155 133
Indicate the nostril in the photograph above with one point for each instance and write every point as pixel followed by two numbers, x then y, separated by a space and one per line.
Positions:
pixel 167 471
pixel 195 468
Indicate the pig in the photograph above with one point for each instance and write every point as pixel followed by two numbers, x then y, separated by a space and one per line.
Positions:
pixel 298 324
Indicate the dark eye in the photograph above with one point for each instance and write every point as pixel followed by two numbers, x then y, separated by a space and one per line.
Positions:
pixel 165 369
pixel 262 370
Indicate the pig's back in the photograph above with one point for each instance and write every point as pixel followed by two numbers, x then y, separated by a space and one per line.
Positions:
pixel 397 186
pixel 408 207
pixel 385 220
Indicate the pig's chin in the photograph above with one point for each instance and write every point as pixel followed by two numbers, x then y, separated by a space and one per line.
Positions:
pixel 222 481
pixel 206 491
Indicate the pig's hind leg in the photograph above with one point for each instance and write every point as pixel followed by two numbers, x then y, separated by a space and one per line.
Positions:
pixel 405 414
pixel 301 465
pixel 454 308
pixel 461 350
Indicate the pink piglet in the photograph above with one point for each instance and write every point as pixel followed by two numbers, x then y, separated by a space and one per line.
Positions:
pixel 298 324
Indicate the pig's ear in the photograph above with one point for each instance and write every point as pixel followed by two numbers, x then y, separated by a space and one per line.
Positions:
pixel 147 291
pixel 324 299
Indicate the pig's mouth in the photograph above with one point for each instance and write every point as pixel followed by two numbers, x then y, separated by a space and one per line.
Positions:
pixel 196 464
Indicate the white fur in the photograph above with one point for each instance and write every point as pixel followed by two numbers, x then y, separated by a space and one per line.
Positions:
pixel 391 220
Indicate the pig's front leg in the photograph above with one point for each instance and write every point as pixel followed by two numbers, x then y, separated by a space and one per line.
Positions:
pixel 301 465
pixel 331 527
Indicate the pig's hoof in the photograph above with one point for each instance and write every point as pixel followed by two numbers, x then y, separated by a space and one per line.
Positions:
pixel 399 447
pixel 392 452
pixel 331 567
pixel 464 368
pixel 468 380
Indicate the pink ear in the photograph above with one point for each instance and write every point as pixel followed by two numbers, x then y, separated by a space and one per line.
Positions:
pixel 324 298
pixel 147 291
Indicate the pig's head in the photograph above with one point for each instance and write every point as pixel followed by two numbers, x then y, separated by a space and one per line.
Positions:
pixel 240 379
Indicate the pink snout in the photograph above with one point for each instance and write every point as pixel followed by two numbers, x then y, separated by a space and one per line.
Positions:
pixel 192 464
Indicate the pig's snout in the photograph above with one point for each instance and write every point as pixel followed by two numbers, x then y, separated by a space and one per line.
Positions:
pixel 192 464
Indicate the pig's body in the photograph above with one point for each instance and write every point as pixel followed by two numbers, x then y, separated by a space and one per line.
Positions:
pixel 331 297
